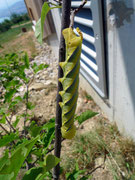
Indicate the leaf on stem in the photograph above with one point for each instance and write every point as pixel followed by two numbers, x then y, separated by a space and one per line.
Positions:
pixel 40 24
pixel 34 129
pixel 9 95
pixel 26 60
pixel 3 119
pixel 37 68
pixel 17 158
pixel 5 140
pixel 4 159
pixel 39 173
pixel 85 115
pixel 16 121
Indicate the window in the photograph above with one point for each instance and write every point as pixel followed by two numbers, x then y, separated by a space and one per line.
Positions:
pixel 89 20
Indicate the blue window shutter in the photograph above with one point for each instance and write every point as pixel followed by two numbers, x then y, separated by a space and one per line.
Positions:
pixel 90 22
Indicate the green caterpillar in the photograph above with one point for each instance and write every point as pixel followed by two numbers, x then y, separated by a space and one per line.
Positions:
pixel 70 81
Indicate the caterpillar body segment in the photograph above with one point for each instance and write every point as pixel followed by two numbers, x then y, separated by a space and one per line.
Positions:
pixel 68 114
pixel 68 133
pixel 69 92
pixel 70 81
pixel 68 106
pixel 67 67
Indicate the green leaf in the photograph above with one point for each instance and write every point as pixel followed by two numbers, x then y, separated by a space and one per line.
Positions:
pixel 18 98
pixel 8 139
pixel 35 130
pixel 4 160
pixel 15 101
pixel 86 177
pixel 16 121
pixel 9 95
pixel 50 124
pixel 2 110
pixel 2 115
pixel 2 62
pixel 42 66
pixel 12 84
pixel 34 67
pixel 7 176
pixel 40 24
pixel 30 106
pixel 51 161
pixel 75 174
pixel 17 158
pixel 37 68
pixel 3 119
pixel 32 173
pixel 41 177
pixel 85 115
pixel 49 136
pixel 37 152
pixel 44 12
pixel 38 31
pixel 38 28
pixel 26 60
pixel 39 173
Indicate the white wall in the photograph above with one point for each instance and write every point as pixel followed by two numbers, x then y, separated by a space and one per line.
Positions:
pixel 121 63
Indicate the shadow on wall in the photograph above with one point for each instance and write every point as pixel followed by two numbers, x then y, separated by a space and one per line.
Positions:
pixel 121 22
pixel 119 12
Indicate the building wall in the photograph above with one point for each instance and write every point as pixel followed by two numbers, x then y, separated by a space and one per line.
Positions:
pixel 119 22
pixel 121 63
pixel 120 59
pixel 57 20
pixel 34 7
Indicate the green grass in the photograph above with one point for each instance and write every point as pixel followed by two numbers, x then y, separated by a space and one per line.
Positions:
pixel 12 33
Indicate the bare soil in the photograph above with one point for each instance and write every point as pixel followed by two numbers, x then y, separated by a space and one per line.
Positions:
pixel 23 42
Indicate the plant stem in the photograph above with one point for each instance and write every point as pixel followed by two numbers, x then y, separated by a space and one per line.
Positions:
pixel 75 11
pixel 26 107
pixel 4 129
pixel 11 127
pixel 65 22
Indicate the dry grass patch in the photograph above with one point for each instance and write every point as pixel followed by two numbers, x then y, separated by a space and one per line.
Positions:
pixel 15 41
pixel 103 153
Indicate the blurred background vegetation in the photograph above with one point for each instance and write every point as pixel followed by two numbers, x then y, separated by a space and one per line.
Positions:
pixel 15 19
